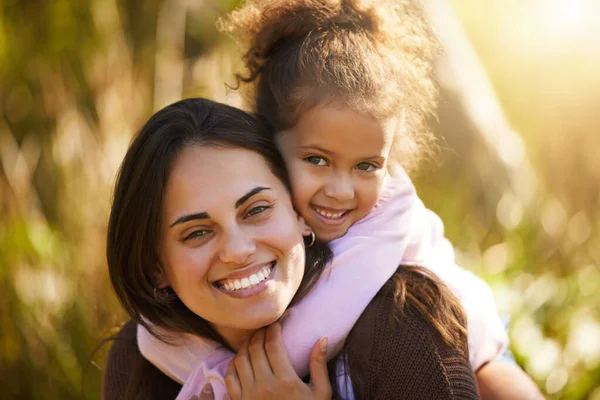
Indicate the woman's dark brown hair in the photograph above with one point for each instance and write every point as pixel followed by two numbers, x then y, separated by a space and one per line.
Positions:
pixel 135 217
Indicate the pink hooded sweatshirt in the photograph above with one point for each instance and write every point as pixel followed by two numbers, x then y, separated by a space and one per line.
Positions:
pixel 399 230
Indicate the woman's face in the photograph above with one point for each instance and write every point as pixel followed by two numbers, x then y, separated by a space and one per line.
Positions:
pixel 232 246
pixel 336 159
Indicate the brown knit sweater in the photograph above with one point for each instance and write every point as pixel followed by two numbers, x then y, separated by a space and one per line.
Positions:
pixel 400 360
pixel 404 358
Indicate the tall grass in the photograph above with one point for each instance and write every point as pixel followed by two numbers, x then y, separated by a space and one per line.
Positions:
pixel 77 79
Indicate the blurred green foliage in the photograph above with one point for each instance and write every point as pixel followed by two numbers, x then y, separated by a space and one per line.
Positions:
pixel 77 78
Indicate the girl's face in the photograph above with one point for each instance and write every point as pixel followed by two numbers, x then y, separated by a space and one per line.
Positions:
pixel 231 246
pixel 337 161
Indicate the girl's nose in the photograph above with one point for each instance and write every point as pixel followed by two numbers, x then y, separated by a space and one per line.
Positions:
pixel 340 188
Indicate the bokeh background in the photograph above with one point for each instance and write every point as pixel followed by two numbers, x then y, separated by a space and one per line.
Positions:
pixel 516 177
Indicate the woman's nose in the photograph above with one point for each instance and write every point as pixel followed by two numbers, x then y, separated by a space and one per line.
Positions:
pixel 238 246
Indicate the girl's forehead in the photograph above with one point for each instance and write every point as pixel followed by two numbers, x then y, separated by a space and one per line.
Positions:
pixel 343 129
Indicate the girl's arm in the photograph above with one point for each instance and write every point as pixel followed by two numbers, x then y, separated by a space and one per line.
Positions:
pixel 364 259
pixel 504 380
pixel 398 230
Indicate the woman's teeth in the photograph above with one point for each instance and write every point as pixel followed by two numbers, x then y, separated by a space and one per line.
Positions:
pixel 252 280
pixel 330 215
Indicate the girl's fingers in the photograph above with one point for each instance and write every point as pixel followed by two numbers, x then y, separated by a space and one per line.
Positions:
pixel 277 353
pixel 319 378
pixel 258 356
pixel 243 367
pixel 232 382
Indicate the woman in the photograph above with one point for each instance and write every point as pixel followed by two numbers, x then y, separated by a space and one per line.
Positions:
pixel 202 206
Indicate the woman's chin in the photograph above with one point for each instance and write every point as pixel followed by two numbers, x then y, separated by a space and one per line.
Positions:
pixel 265 320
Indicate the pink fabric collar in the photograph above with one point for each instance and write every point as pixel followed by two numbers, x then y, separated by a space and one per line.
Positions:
pixel 399 230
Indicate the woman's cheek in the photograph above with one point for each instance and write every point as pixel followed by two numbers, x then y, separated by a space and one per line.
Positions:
pixel 283 234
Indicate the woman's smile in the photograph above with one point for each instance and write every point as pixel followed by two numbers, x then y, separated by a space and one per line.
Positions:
pixel 248 281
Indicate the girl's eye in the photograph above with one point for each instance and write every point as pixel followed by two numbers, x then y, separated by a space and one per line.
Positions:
pixel 197 234
pixel 257 210
pixel 316 160
pixel 367 167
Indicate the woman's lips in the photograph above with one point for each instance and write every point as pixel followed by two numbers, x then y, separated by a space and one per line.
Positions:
pixel 249 285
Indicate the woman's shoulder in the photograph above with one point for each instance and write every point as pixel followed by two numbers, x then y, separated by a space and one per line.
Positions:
pixel 120 362
pixel 129 375
pixel 123 347
pixel 395 352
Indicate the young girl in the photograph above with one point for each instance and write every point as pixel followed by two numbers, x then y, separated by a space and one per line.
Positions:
pixel 347 87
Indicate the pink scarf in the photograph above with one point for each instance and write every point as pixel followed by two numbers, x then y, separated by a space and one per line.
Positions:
pixel 399 230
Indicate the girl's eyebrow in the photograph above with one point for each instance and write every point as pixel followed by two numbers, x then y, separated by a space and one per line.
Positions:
pixel 331 153
pixel 205 215
pixel 318 148
pixel 373 157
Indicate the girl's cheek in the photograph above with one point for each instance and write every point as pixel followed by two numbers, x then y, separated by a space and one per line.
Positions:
pixel 372 192
pixel 302 184
pixel 294 172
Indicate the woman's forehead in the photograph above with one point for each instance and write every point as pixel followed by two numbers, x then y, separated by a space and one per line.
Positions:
pixel 216 177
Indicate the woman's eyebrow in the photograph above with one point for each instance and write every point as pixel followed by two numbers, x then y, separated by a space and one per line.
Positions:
pixel 190 217
pixel 251 193
pixel 205 215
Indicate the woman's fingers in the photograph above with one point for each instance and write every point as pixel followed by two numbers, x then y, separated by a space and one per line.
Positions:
pixel 232 382
pixel 243 367
pixel 319 378
pixel 258 356
pixel 277 353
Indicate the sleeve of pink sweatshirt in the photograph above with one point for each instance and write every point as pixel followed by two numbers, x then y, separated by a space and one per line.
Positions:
pixel 398 230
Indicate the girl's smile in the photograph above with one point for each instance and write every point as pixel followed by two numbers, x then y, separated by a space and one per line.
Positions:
pixel 331 216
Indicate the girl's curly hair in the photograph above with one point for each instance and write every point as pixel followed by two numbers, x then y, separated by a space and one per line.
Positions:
pixel 375 56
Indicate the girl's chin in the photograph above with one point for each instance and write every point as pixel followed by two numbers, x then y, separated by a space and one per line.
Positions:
pixel 326 235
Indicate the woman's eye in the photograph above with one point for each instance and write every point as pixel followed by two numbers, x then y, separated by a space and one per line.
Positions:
pixel 197 234
pixel 367 167
pixel 257 210
pixel 316 160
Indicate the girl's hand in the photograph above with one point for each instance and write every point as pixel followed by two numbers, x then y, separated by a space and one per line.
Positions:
pixel 262 370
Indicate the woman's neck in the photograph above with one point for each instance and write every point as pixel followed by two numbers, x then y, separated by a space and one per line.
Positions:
pixel 235 337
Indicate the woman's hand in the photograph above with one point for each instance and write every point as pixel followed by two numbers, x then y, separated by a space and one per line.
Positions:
pixel 262 370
